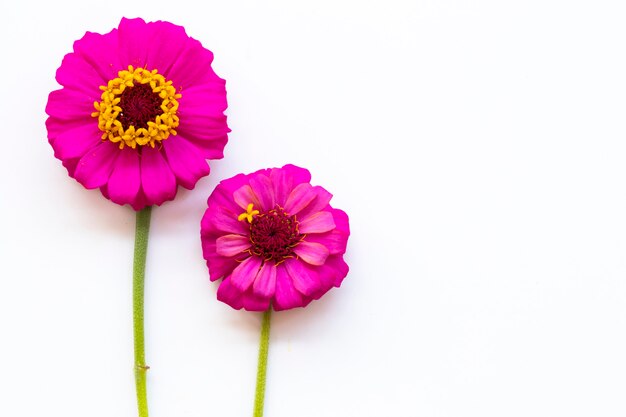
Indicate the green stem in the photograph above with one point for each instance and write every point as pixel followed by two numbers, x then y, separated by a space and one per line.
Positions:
pixel 259 398
pixel 142 228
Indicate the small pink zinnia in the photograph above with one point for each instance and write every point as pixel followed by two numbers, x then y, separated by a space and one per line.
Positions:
pixel 274 240
pixel 139 113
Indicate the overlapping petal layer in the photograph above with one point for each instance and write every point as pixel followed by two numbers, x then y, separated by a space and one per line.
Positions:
pixel 245 250
pixel 144 175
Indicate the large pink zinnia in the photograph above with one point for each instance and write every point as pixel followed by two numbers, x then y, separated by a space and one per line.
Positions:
pixel 139 113
pixel 274 239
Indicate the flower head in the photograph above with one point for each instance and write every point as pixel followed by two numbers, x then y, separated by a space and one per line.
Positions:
pixel 139 113
pixel 274 240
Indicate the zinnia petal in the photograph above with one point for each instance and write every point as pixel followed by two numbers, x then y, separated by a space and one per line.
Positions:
pixel 263 190
pixel 319 203
pixel 304 278
pixel 209 149
pixel 58 126
pixel 219 266
pixel 193 66
pixel 158 182
pixel 76 73
pixel 69 104
pixel 135 38
pixel 318 223
pixel 94 168
pixel 285 179
pixel 96 49
pixel 172 41
pixel 336 268
pixel 125 180
pixel 244 196
pixel 253 302
pixel 243 276
pixel 222 196
pixel 287 296
pixel 74 143
pixel 229 294
pixel 312 253
pixel 186 162
pixel 265 282
pixel 231 245
pixel 335 240
pixel 302 195
pixel 223 220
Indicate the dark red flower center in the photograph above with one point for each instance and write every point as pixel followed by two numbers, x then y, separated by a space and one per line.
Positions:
pixel 274 234
pixel 140 105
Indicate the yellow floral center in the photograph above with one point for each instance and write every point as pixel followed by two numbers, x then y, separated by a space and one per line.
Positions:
pixel 137 108
pixel 273 234
pixel 248 214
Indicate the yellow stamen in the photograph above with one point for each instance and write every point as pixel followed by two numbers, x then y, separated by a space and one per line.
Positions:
pixel 107 110
pixel 248 214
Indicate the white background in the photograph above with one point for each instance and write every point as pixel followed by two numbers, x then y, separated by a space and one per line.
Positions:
pixel 478 148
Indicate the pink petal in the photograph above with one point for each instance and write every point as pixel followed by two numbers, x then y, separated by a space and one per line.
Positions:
pixel 69 104
pixel 338 266
pixel 231 245
pixel 125 179
pixel 76 142
pixel 94 168
pixel 252 302
pixel 262 188
pixel 319 203
pixel 172 40
pixel 229 294
pixel 58 126
pixel 265 283
pixel 284 179
pixel 185 161
pixel 337 239
pixel 317 223
pixel 140 200
pixel 243 276
pixel 134 40
pixel 299 198
pixel 75 73
pixel 202 117
pixel 157 181
pixel 203 127
pixel 244 196
pixel 206 98
pixel 312 253
pixel 222 196
pixel 70 165
pixel 331 274
pixel 219 266
pixel 287 296
pixel 341 220
pixel 100 51
pixel 209 149
pixel 192 67
pixel 221 219
pixel 304 278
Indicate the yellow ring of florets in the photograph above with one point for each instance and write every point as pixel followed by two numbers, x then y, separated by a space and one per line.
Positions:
pixel 108 109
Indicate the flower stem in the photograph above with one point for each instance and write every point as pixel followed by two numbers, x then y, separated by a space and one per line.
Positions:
pixel 259 398
pixel 142 228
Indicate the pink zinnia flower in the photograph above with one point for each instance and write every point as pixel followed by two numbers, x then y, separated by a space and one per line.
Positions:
pixel 139 113
pixel 274 239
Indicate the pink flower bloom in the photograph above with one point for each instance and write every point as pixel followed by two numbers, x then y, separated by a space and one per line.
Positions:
pixel 274 238
pixel 139 113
